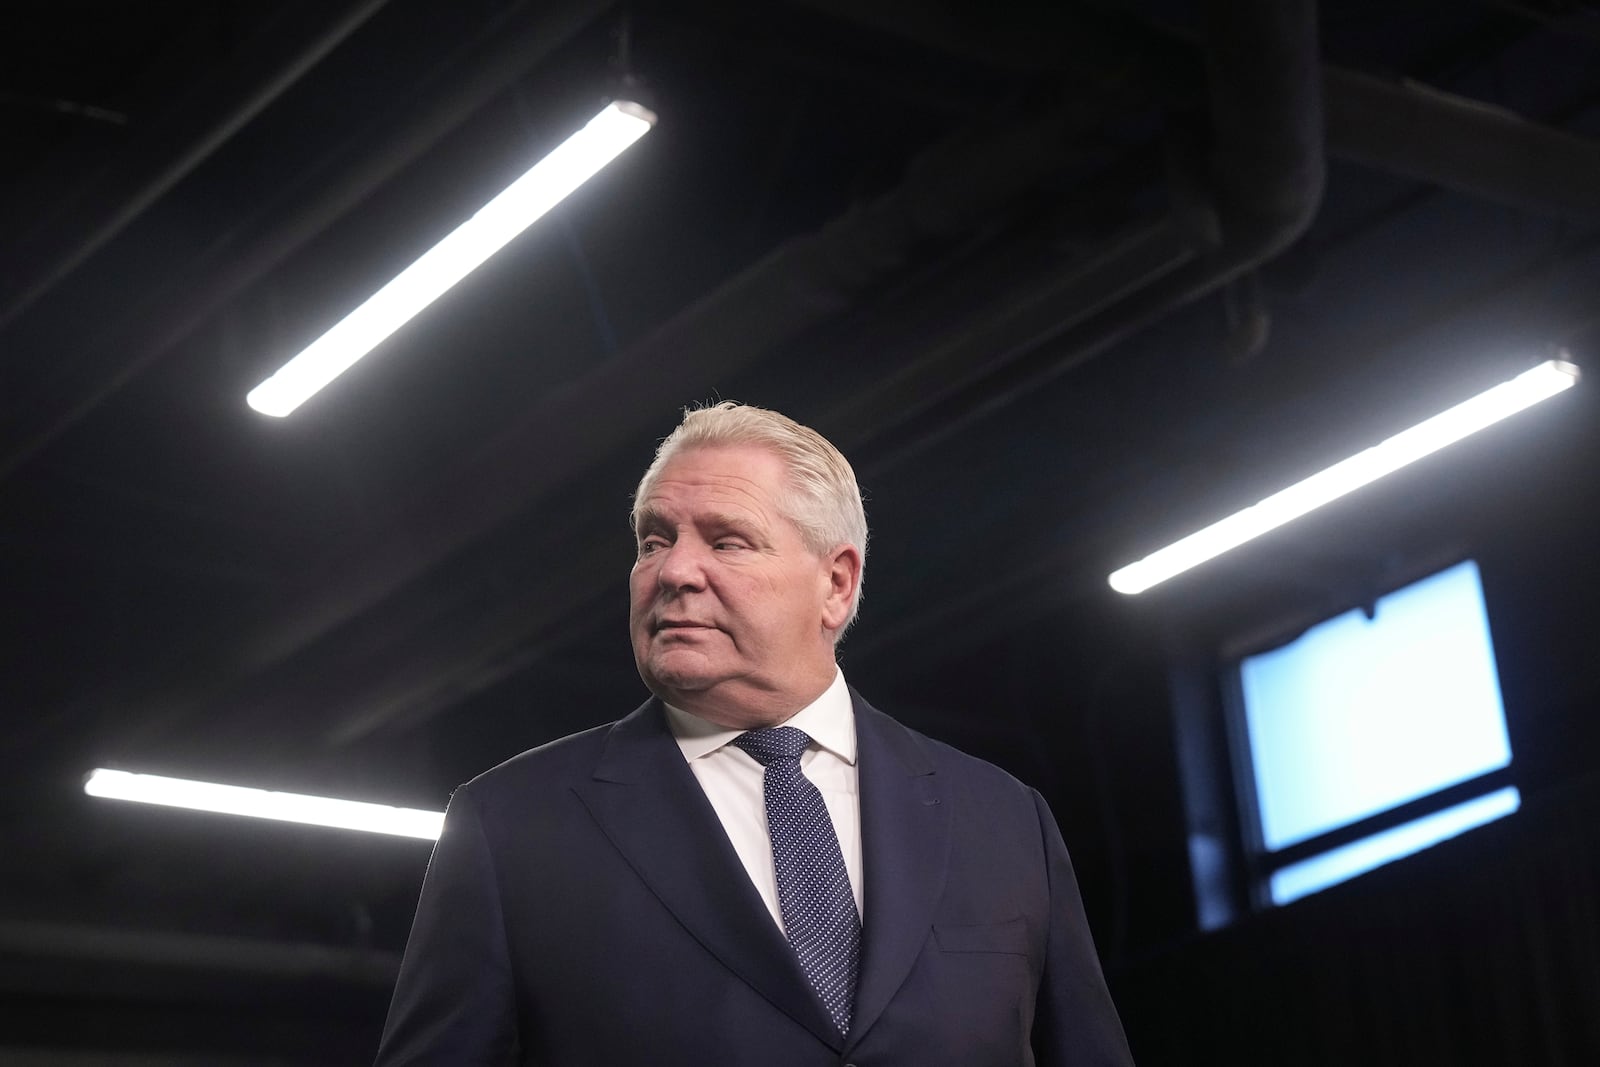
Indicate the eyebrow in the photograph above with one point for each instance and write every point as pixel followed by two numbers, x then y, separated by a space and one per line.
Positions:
pixel 646 520
pixel 724 521
pixel 651 521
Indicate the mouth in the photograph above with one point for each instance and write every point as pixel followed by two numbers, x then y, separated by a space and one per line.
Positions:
pixel 681 626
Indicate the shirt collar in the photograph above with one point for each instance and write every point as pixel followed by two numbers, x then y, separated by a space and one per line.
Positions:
pixel 830 721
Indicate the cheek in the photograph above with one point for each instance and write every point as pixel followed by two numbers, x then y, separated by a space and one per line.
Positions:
pixel 641 592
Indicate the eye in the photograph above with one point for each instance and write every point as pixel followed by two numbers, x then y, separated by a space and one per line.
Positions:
pixel 651 544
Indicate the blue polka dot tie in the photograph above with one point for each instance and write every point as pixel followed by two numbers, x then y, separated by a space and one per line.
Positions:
pixel 819 910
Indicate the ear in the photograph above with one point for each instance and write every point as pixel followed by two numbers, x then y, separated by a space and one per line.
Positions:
pixel 843 576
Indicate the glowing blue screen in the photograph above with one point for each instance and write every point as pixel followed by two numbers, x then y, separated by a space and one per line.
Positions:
pixel 1359 715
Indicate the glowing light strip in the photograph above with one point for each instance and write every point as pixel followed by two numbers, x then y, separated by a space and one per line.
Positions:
pixel 1406 447
pixel 544 186
pixel 264 804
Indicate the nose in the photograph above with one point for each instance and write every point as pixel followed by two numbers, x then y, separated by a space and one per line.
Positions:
pixel 682 565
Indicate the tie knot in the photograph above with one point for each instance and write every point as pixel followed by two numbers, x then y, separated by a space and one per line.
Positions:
pixel 774 743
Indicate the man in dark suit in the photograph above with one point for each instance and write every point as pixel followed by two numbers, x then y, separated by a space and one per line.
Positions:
pixel 756 867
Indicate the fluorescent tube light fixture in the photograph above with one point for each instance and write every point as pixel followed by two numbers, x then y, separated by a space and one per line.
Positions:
pixel 1346 476
pixel 548 183
pixel 264 804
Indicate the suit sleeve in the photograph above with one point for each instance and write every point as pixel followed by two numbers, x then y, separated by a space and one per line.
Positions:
pixel 454 1001
pixel 1075 1023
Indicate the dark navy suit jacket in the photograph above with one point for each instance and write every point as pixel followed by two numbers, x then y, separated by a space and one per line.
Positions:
pixel 584 907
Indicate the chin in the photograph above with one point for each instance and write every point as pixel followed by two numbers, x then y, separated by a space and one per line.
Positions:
pixel 673 689
pixel 663 678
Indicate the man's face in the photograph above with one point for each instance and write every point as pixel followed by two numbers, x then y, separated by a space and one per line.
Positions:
pixel 732 614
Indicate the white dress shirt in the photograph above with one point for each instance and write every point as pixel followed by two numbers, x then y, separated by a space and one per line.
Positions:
pixel 732 781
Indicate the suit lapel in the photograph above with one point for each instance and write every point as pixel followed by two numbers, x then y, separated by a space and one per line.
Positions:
pixel 647 802
pixel 905 847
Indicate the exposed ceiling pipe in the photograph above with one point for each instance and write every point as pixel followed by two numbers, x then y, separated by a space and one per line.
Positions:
pixel 1462 144
pixel 168 152
pixel 1267 167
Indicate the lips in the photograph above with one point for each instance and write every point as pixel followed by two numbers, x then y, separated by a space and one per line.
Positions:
pixel 682 624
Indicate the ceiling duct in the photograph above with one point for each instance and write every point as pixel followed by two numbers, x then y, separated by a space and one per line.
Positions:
pixel 1463 145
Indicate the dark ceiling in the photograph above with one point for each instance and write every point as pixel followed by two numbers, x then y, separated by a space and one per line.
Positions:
pixel 1065 282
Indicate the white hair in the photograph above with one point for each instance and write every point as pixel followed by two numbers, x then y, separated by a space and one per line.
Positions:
pixel 823 501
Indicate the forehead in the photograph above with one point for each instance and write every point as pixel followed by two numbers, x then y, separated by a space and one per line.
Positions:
pixel 744 476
